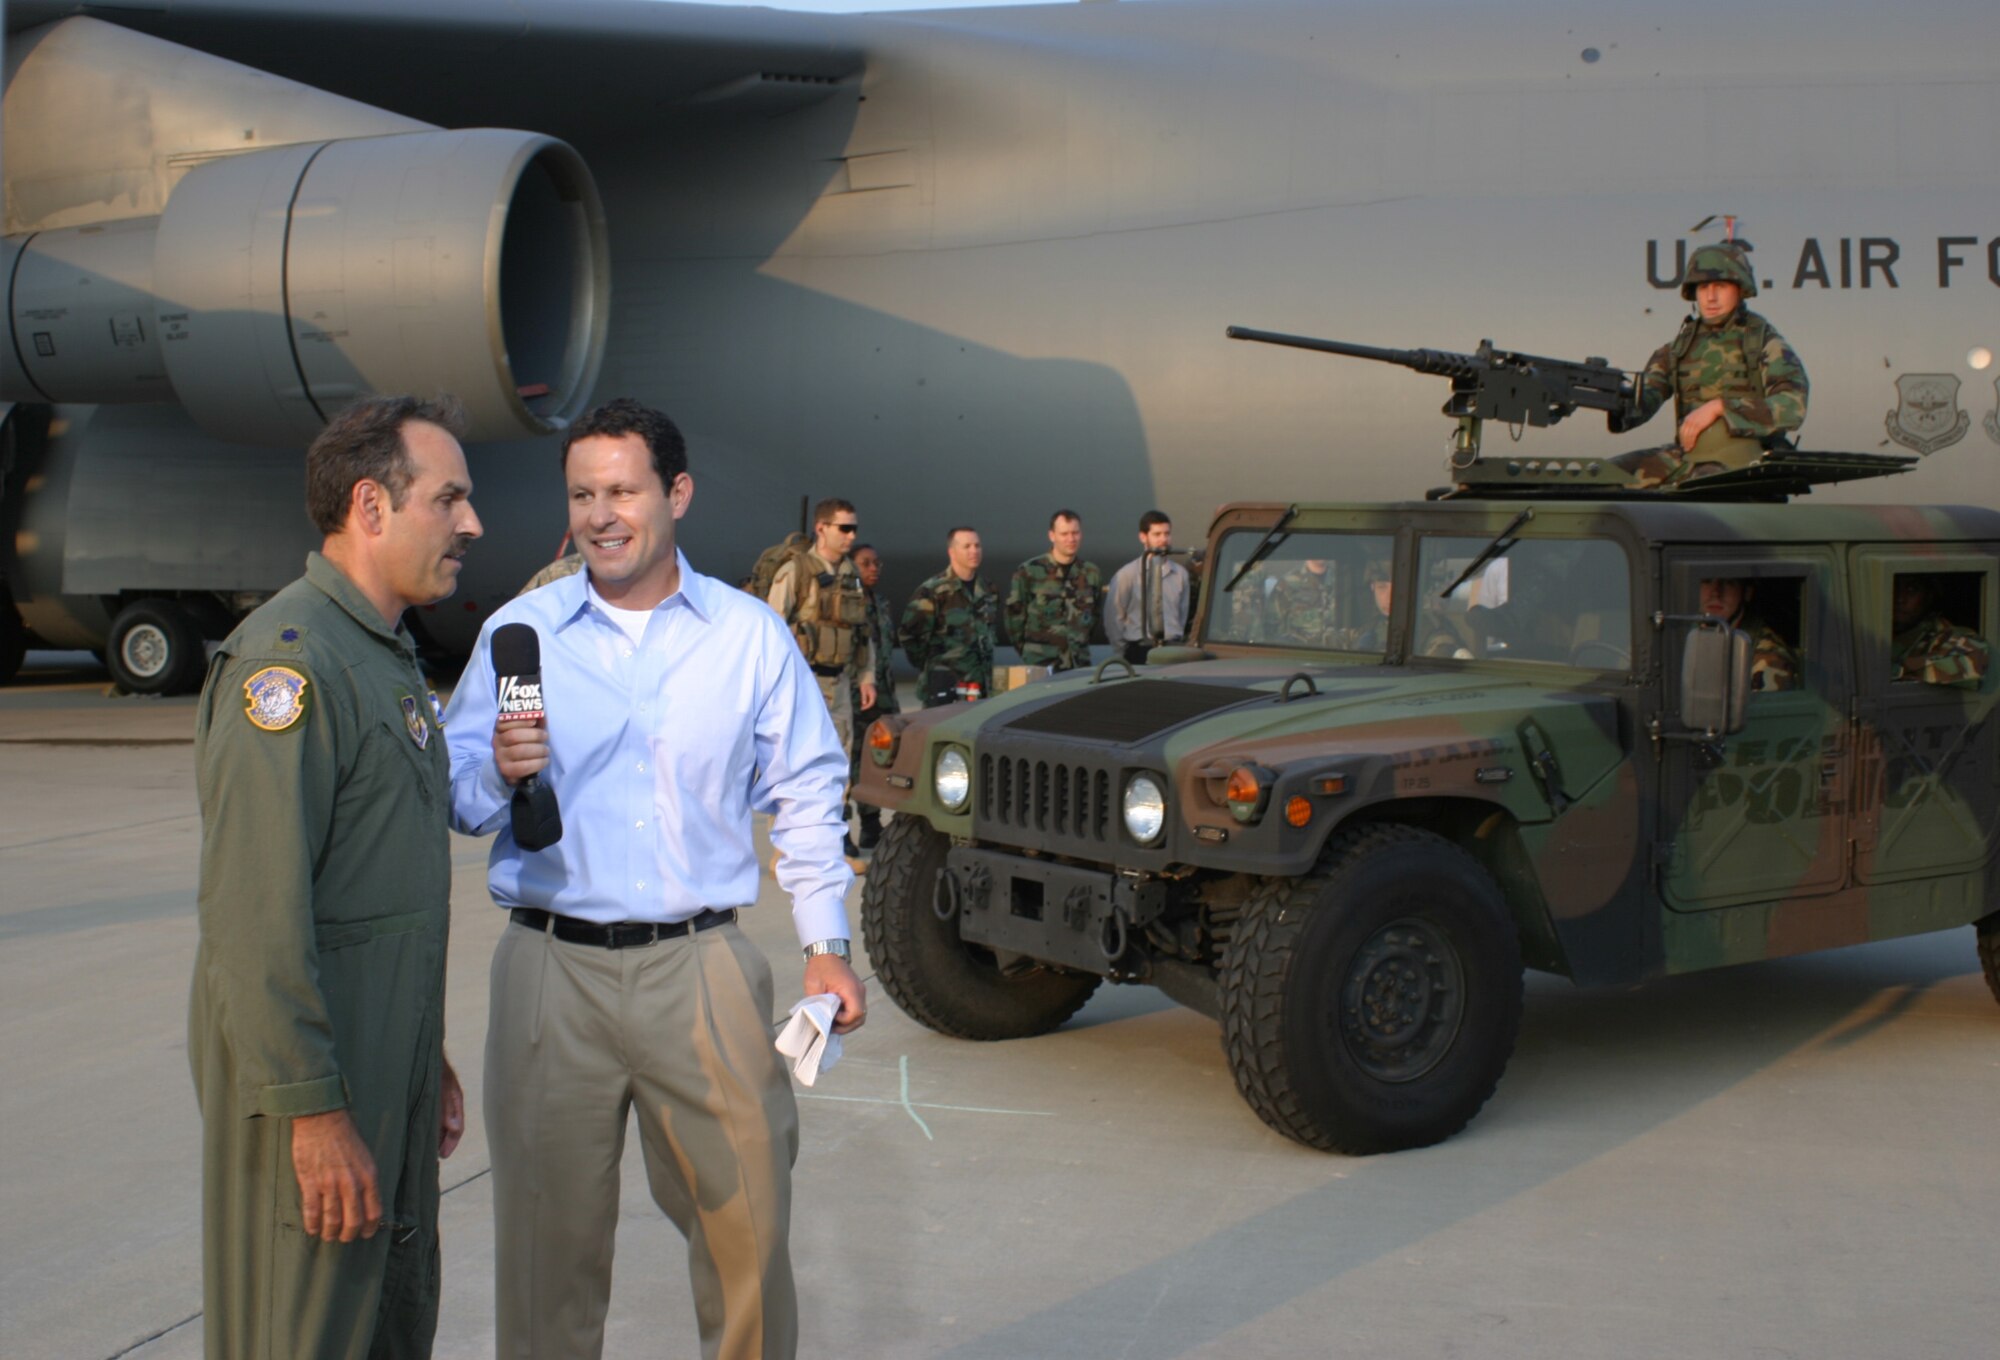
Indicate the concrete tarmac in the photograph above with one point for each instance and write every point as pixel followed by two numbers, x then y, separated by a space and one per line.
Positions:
pixel 1796 1158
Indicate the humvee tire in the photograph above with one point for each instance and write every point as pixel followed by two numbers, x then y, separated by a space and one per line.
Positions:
pixel 942 982
pixel 1989 950
pixel 1373 1004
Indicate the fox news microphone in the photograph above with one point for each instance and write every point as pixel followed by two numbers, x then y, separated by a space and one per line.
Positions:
pixel 517 672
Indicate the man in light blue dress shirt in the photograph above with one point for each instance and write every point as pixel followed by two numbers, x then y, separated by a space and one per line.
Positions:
pixel 677 706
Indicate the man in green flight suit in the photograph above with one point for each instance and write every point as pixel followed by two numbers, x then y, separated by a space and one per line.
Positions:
pixel 1738 388
pixel 316 1027
pixel 1053 600
pixel 947 627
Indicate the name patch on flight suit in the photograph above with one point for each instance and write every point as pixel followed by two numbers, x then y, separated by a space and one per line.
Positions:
pixel 277 698
pixel 420 731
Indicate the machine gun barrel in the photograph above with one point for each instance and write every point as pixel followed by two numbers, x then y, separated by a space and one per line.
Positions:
pixel 1436 361
pixel 1490 384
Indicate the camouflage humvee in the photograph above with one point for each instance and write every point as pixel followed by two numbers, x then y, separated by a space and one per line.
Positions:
pixel 1543 754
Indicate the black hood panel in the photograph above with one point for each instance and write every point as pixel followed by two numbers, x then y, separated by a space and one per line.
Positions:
pixel 1127 713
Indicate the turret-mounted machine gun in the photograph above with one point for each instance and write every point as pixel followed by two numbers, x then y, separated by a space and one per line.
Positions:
pixel 1529 389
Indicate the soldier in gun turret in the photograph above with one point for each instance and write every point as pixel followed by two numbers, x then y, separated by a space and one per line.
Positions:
pixel 1738 387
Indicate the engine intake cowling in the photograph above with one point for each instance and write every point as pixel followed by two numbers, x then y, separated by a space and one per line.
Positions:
pixel 280 284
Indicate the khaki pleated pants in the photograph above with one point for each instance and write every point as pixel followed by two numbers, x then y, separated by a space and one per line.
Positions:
pixel 680 1031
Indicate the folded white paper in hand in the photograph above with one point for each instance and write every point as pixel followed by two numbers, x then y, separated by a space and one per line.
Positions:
pixel 808 1038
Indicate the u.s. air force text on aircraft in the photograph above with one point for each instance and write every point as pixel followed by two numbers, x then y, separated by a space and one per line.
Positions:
pixel 1857 262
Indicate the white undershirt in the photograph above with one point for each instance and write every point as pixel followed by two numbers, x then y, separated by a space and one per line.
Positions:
pixel 631 622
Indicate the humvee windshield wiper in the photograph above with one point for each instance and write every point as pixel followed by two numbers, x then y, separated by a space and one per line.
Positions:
pixel 1502 541
pixel 1270 541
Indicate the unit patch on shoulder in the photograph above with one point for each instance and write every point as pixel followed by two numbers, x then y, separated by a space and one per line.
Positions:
pixel 420 731
pixel 277 697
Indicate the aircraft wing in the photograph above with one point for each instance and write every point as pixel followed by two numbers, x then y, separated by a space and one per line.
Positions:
pixel 583 70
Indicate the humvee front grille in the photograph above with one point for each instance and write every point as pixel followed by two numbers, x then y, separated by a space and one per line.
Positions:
pixel 1049 797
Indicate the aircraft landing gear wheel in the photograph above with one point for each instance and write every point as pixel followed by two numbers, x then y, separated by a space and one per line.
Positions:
pixel 155 649
pixel 1989 951
pixel 1372 1005
pixel 942 982
pixel 13 641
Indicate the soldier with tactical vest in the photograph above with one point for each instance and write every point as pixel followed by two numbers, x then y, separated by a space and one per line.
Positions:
pixel 817 592
pixel 1928 647
pixel 1738 388
pixel 1053 600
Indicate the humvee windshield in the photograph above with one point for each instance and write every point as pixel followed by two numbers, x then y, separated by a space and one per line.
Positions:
pixel 1313 589
pixel 1567 601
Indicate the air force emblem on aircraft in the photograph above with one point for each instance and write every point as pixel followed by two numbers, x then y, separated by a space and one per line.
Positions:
pixel 1992 421
pixel 277 696
pixel 1927 417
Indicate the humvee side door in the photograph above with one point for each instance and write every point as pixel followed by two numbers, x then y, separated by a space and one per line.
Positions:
pixel 1761 815
pixel 1929 802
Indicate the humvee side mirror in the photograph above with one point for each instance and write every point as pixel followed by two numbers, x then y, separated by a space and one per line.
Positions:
pixel 1715 678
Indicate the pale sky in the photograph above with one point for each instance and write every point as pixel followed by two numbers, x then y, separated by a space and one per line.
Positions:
pixel 876 6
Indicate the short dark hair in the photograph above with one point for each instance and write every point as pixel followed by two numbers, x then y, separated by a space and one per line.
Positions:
pixel 861 548
pixel 1152 517
pixel 622 416
pixel 824 512
pixel 1064 514
pixel 955 530
pixel 364 442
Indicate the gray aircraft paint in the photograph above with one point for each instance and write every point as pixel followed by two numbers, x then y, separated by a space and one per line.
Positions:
pixel 969 265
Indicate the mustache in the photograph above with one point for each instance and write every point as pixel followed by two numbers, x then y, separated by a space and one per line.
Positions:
pixel 459 543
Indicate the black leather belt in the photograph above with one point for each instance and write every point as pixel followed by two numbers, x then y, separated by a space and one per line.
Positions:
pixel 829 671
pixel 618 934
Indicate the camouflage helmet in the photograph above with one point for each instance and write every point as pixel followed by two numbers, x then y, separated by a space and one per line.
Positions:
pixel 1378 570
pixel 1718 264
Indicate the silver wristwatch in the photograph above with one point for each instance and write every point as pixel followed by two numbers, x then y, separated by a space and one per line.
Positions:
pixel 818 947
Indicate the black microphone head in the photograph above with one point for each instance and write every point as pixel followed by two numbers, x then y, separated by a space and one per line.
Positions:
pixel 517 649
pixel 517 673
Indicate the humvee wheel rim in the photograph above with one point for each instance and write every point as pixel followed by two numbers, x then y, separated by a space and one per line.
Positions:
pixel 1402 1001
pixel 145 650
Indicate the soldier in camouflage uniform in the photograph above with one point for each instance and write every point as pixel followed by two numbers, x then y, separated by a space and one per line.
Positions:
pixel 1737 387
pixel 1773 664
pixel 1373 636
pixel 1053 600
pixel 1302 607
pixel 1930 648
pixel 569 564
pixel 947 627
pixel 882 638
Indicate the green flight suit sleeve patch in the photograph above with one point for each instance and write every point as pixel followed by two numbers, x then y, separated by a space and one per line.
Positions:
pixel 277 698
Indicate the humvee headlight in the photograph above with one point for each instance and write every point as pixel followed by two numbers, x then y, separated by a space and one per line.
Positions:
pixel 882 741
pixel 951 780
pixel 1248 790
pixel 1145 808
